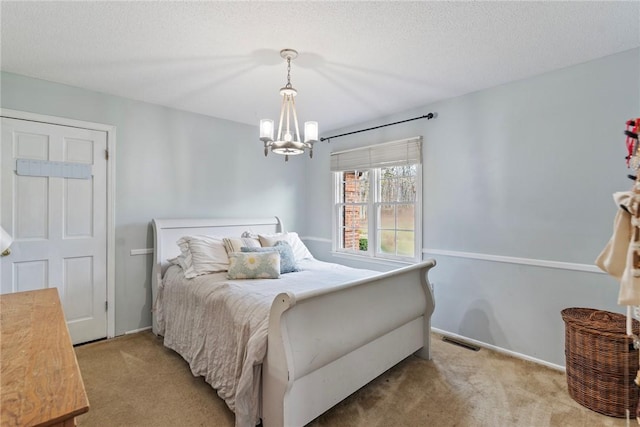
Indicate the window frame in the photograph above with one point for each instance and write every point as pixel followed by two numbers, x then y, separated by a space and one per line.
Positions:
pixel 373 219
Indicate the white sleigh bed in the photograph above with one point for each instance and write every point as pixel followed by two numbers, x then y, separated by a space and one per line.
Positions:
pixel 319 349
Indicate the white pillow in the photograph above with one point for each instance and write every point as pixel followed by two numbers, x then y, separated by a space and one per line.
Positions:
pixel 202 255
pixel 300 251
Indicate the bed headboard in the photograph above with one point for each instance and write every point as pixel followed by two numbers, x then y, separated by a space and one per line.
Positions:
pixel 167 231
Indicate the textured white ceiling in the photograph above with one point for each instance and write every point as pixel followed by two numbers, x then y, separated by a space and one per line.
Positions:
pixel 358 60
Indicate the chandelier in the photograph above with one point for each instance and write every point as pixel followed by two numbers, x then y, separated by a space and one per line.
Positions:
pixel 288 141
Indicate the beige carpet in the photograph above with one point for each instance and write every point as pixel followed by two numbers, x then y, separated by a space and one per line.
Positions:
pixel 134 381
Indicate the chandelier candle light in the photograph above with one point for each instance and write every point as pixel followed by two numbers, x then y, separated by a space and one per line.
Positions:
pixel 288 141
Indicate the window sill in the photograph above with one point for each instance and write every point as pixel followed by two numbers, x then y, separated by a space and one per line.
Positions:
pixel 373 260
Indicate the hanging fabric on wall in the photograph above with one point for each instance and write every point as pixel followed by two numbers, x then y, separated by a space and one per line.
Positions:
pixel 621 256
pixel 613 258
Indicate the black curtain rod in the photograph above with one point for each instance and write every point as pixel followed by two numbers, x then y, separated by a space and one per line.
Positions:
pixel 427 116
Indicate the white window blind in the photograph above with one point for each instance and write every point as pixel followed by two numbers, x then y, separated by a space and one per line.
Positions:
pixel 395 153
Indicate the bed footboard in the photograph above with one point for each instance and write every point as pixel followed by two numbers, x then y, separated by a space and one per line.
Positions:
pixel 324 345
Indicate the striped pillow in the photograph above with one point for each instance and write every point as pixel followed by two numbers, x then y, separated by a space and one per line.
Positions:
pixel 234 244
pixel 202 255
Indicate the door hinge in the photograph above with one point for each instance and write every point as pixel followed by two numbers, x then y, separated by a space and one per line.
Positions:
pixel 106 306
pixel 106 154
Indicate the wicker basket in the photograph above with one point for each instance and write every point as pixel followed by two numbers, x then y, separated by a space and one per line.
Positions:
pixel 601 361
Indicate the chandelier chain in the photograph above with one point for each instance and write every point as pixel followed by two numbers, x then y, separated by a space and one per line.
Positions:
pixel 288 72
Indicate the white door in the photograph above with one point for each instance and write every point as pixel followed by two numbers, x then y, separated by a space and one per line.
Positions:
pixel 58 222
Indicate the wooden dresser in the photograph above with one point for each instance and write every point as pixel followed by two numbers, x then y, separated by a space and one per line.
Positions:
pixel 40 382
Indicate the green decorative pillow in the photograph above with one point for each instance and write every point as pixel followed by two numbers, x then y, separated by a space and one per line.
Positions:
pixel 287 259
pixel 263 265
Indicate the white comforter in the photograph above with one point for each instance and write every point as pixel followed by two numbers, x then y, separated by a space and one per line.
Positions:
pixel 220 326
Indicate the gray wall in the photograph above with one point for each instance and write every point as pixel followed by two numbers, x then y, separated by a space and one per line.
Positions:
pixel 523 170
pixel 169 163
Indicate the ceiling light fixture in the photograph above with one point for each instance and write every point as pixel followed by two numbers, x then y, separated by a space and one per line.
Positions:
pixel 288 141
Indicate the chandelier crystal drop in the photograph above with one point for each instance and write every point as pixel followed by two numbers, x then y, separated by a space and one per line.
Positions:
pixel 288 141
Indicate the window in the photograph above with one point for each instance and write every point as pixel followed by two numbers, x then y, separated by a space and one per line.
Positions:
pixel 377 210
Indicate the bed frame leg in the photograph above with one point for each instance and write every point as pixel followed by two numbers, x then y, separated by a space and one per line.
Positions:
pixel 425 351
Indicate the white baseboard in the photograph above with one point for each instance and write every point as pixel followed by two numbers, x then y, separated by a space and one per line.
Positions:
pixel 500 350
pixel 135 331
